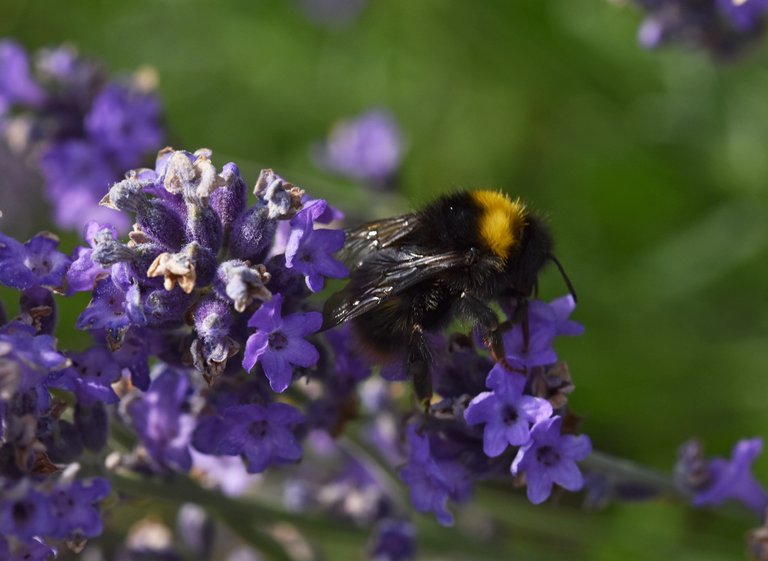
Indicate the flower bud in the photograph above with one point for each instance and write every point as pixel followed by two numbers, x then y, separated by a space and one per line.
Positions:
pixel 252 234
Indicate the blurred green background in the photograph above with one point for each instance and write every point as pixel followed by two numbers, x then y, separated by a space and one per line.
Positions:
pixel 650 166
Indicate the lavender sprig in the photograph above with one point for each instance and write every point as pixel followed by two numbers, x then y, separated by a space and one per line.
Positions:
pixel 724 28
pixel 79 128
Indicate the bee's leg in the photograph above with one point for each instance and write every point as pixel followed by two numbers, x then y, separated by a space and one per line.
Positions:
pixel 521 317
pixel 476 310
pixel 417 365
pixel 483 316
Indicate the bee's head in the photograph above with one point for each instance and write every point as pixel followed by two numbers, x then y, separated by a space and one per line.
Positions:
pixel 535 250
pixel 532 253
pixel 517 238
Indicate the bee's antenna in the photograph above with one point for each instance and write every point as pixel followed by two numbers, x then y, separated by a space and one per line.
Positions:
pixel 565 277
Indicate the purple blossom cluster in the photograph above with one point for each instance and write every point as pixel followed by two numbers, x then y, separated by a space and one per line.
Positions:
pixel 494 417
pixel 201 279
pixel 79 128
pixel 40 435
pixel 722 27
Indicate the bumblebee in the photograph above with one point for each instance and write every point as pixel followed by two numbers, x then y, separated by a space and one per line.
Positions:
pixel 413 274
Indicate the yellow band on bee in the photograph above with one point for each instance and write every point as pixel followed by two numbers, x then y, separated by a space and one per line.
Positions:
pixel 501 221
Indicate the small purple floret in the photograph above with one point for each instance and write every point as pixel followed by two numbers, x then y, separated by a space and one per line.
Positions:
pixel 90 377
pixel 75 508
pixel 745 15
pixel 310 251
pixel 545 322
pixel 550 458
pixel 35 263
pixel 278 342
pixel 505 411
pixel 16 82
pixel 125 123
pixel 733 479
pixel 368 148
pixel 262 435
pixel 160 419
pixel 394 540
pixel 432 481
pixel 84 271
pixel 77 176
pixel 33 358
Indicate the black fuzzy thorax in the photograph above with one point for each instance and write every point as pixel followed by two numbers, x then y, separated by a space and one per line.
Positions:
pixel 449 223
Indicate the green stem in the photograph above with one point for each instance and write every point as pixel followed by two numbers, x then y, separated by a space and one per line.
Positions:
pixel 246 518
pixel 252 519
pixel 628 472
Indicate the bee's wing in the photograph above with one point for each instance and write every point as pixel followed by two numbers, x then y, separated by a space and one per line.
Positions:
pixel 387 273
pixel 374 236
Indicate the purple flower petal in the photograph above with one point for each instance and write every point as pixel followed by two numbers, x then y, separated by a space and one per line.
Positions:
pixel 539 487
pixel 255 347
pixel 481 409
pixel 278 370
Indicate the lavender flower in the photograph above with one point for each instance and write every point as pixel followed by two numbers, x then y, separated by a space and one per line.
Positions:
pixel 723 27
pixel 310 251
pixel 549 458
pixel 262 435
pixel 124 123
pixel 714 481
pixel 278 342
pixel 83 130
pixel 16 82
pixel 25 550
pixel 25 512
pixel 745 15
pixel 76 175
pixel 161 422
pixel 75 508
pixel 227 473
pixel 203 277
pixel 196 529
pixel 90 376
pixel 545 322
pixel 84 271
pixel 66 510
pixel 432 481
pixel 506 412
pixel 394 540
pixel 368 147
pixel 27 359
pixel 35 263
pixel 179 265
